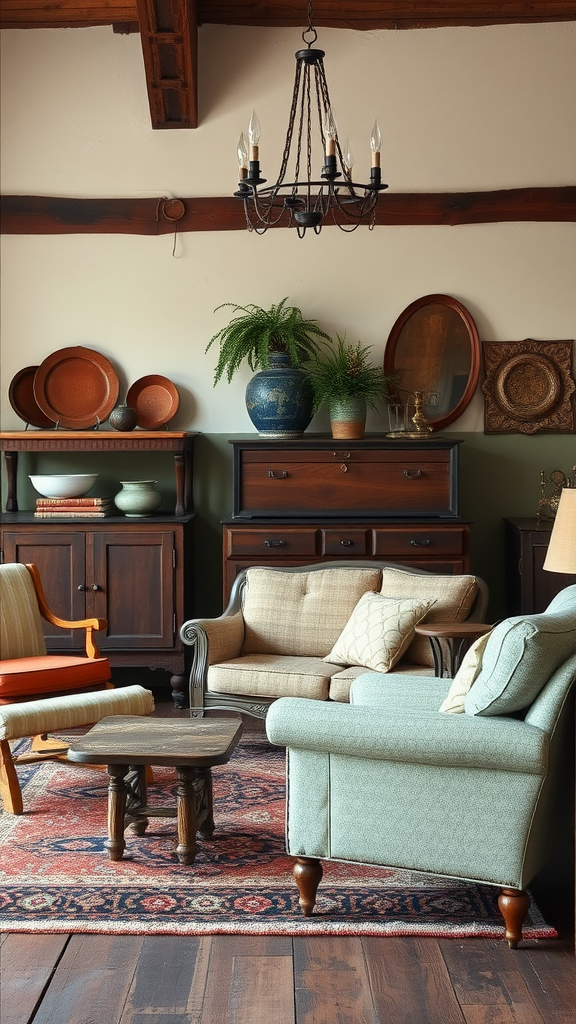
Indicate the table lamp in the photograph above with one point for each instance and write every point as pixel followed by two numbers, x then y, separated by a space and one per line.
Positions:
pixel 561 555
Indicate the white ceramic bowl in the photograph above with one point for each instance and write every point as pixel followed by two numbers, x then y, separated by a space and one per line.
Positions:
pixel 72 485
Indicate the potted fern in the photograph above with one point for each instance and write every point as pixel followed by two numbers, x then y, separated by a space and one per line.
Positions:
pixel 346 381
pixel 275 342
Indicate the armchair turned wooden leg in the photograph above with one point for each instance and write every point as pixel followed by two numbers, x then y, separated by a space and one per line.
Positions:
pixel 308 873
pixel 9 786
pixel 513 905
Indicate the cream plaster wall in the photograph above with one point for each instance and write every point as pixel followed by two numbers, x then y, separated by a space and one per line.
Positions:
pixel 459 109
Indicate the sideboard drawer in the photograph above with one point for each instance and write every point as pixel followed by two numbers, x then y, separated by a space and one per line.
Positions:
pixel 265 543
pixel 345 542
pixel 418 541
pixel 375 478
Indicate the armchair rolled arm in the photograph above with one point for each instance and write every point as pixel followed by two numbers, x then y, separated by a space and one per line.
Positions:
pixel 426 738
pixel 88 625
pixel 213 641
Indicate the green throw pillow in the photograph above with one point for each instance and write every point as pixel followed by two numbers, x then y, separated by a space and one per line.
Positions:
pixel 519 658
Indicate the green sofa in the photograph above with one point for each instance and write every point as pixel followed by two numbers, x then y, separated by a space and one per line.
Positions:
pixel 390 780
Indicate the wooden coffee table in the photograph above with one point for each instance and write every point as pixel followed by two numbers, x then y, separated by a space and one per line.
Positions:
pixel 126 744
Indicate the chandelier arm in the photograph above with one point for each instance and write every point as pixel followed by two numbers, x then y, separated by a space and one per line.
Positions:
pixel 302 110
pixel 291 119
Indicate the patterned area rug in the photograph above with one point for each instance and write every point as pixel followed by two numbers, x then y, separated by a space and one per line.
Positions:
pixel 56 877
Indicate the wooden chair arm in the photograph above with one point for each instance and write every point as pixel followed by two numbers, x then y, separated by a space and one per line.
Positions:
pixel 89 625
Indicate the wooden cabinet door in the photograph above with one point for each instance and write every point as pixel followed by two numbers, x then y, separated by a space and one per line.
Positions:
pixel 130 582
pixel 60 557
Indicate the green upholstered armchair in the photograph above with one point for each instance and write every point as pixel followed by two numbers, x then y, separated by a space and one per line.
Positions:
pixel 389 779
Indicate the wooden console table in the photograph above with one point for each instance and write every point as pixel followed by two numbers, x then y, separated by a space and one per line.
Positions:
pixel 180 443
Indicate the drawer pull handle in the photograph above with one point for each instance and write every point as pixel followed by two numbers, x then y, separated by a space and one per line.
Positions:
pixel 421 543
pixel 344 467
pixel 412 474
pixel 280 476
pixel 274 543
pixel 81 588
pixel 342 455
pixel 347 543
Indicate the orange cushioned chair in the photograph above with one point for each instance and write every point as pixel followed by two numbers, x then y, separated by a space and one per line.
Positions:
pixel 27 672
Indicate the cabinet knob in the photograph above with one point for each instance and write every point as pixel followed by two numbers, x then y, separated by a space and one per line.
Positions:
pixel 81 587
pixel 94 587
pixel 412 474
pixel 274 543
pixel 421 543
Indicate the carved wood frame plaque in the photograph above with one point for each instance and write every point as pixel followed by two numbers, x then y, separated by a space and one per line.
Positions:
pixel 528 387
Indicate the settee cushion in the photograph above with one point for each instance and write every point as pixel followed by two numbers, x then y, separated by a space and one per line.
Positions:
pixel 520 656
pixel 453 598
pixel 469 671
pixel 341 683
pixel 303 613
pixel 378 632
pixel 273 675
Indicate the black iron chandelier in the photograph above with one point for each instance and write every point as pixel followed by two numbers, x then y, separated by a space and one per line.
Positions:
pixel 306 202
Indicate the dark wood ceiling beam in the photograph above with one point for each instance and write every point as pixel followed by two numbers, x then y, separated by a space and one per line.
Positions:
pixel 169 35
pixel 376 14
pixel 48 215
pixel 352 14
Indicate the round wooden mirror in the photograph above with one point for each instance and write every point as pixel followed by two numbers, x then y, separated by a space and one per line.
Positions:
pixel 434 348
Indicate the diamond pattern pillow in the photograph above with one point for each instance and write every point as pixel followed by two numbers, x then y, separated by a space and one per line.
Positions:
pixel 378 632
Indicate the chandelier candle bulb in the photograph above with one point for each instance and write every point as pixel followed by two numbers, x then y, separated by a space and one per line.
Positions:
pixel 376 144
pixel 242 156
pixel 254 137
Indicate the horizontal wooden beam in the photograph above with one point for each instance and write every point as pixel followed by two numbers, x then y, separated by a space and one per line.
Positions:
pixel 49 215
pixel 376 14
pixel 352 14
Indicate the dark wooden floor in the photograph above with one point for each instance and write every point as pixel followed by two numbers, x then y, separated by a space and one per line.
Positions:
pixel 102 979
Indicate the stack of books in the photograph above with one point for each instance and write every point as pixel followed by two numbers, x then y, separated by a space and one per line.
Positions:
pixel 89 508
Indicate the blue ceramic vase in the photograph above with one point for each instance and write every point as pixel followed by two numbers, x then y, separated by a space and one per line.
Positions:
pixel 279 399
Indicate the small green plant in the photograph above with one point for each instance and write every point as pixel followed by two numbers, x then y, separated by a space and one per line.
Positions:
pixel 346 372
pixel 254 333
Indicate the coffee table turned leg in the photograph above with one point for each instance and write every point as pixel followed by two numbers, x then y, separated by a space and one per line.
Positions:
pixel 204 803
pixel 116 810
pixel 136 799
pixel 186 814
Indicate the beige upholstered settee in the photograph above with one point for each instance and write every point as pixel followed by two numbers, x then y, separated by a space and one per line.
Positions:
pixel 309 631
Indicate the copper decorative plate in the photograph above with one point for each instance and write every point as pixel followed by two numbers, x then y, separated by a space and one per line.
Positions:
pixel 154 400
pixel 21 396
pixel 528 386
pixel 76 387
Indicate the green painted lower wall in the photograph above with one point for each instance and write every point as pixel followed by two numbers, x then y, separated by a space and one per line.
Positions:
pixel 499 478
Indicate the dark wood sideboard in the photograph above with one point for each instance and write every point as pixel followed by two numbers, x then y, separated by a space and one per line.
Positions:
pixel 135 572
pixel 530 587
pixel 314 499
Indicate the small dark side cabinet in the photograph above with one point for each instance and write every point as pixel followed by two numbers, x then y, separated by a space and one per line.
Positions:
pixel 530 587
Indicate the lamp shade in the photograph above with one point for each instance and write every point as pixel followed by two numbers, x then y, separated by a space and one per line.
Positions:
pixel 561 555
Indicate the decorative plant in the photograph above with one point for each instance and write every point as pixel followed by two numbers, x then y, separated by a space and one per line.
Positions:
pixel 346 372
pixel 254 333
